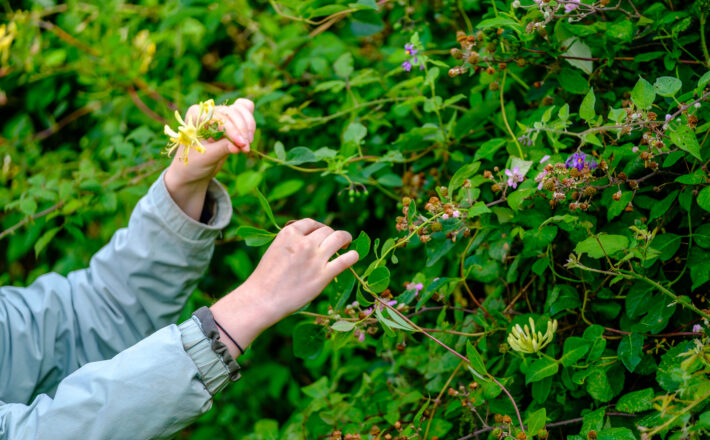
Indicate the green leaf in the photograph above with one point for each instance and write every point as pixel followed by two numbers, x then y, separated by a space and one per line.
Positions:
pixel 477 209
pixel 44 240
pixel 704 80
pixel 267 209
pixel 28 206
pixel 536 421
pixel 636 401
pixel 572 81
pixel 516 198
pixel 300 155
pixel 476 360
pixel 630 350
pixel 463 173
pixel 344 65
pixel 598 386
pixel 586 109
pixel 541 369
pixel 343 326
pixel 592 421
pixel 667 86
pixel 361 244
pixel 248 181
pixel 616 434
pixel 255 236
pixel 308 341
pixel 643 94
pixel 575 348
pixel 661 208
pixel 684 138
pixel 704 198
pixel 578 49
pixel 285 189
pixel 596 245
pixel 379 279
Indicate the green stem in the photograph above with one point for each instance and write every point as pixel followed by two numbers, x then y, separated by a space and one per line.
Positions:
pixel 703 43
pixel 505 117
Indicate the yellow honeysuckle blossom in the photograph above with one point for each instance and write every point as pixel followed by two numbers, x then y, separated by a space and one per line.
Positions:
pixel 527 340
pixel 189 133
pixel 7 34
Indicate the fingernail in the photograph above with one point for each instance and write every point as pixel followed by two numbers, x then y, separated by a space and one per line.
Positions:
pixel 240 140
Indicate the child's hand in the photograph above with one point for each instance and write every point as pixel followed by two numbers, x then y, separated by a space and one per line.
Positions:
pixel 187 182
pixel 293 271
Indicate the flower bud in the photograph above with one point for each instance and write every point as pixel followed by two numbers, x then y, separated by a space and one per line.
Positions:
pixel 617 196
pixel 456 53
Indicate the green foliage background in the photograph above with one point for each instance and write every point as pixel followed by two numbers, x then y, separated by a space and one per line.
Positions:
pixel 344 133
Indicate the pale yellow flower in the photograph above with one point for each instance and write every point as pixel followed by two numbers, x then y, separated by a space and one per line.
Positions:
pixel 527 340
pixel 188 133
pixel 7 35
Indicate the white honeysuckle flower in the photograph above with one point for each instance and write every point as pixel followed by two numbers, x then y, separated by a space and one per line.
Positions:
pixel 526 340
pixel 188 133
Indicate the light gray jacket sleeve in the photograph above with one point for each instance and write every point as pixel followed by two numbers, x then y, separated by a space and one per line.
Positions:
pixel 136 284
pixel 148 391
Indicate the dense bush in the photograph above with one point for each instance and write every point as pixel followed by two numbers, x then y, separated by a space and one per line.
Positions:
pixel 515 163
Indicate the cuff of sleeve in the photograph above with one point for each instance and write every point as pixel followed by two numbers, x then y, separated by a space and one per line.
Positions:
pixel 217 203
pixel 212 369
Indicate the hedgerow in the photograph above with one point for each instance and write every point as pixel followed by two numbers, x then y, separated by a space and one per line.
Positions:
pixel 527 181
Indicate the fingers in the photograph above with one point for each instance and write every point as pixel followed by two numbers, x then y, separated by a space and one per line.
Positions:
pixel 249 121
pixel 234 128
pixel 335 267
pixel 246 103
pixel 305 226
pixel 320 234
pixel 335 241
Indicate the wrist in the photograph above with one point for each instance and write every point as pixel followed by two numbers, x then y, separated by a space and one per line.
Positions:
pixel 188 195
pixel 243 316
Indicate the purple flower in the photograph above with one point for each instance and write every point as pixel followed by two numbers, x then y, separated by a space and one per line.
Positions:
pixel 367 311
pixel 571 5
pixel 668 117
pixel 361 337
pixel 392 303
pixel 545 158
pixel 445 216
pixel 514 177
pixel 407 66
pixel 697 328
pixel 456 214
pixel 410 50
pixel 579 160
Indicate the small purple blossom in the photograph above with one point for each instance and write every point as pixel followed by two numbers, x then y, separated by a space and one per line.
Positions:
pixel 456 214
pixel 514 177
pixel 571 5
pixel 392 303
pixel 367 311
pixel 410 50
pixel 445 216
pixel 407 66
pixel 579 160
pixel 668 117
pixel 545 158
pixel 697 328
pixel 361 337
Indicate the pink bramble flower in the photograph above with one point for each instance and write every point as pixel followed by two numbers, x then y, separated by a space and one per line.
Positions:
pixel 697 328
pixel 456 214
pixel 361 337
pixel 416 287
pixel 545 158
pixel 514 177
pixel 571 5
pixel 367 311
pixel 541 178
pixel 392 303
pixel 445 216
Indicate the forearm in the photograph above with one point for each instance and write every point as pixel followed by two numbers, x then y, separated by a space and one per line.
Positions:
pixel 188 195
pixel 149 391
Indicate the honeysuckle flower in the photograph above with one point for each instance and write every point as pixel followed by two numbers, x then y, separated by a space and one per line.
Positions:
pixel 579 160
pixel 571 5
pixel 189 133
pixel 7 35
pixel 514 177
pixel 527 340
pixel 545 158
